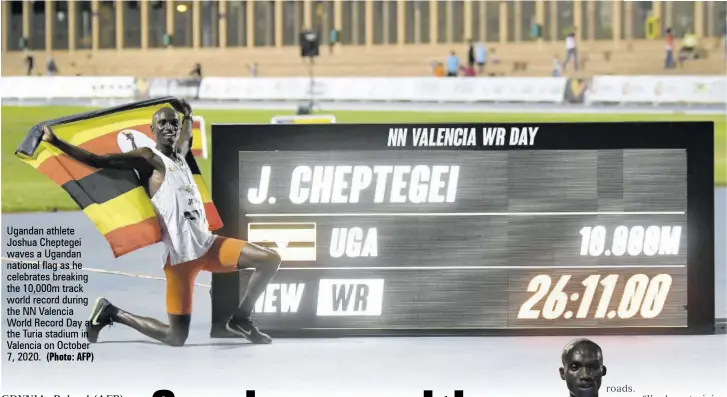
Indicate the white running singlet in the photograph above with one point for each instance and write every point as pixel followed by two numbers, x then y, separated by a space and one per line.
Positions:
pixel 180 211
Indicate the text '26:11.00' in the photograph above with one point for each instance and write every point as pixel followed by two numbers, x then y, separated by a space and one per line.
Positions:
pixel 640 295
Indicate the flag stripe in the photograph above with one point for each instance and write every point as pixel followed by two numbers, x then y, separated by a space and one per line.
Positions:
pixel 124 210
pixel 213 217
pixel 291 244
pixel 280 234
pixel 98 140
pixel 203 192
pixel 284 226
pixel 132 237
pixel 65 169
pixel 101 186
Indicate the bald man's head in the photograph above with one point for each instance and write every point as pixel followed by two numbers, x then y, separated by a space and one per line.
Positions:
pixel 582 368
pixel 165 125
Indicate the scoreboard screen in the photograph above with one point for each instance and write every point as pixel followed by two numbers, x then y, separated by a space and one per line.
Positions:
pixel 462 228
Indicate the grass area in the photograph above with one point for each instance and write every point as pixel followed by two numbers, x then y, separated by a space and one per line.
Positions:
pixel 24 189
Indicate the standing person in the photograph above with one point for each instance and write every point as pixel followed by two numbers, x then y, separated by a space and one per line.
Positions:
pixel 452 64
pixel 471 54
pixel 190 246
pixel 669 49
pixel 481 57
pixel 571 50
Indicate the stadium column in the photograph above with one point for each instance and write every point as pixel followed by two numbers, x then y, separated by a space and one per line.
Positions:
pixel 668 15
pixel 279 23
pixel 401 22
pixel 577 17
pixel 48 25
pixel 553 20
pixel 433 22
pixel 699 18
pixel 169 8
pixel 307 21
pixel 26 19
pixel 120 8
pixel 369 22
pixel 591 17
pixel 196 17
pixel 94 25
pixel 144 25
pixel 449 26
pixel 250 23
pixel 72 26
pixel 483 19
pixel 468 20
pixel 503 21
pixel 616 22
pixel 518 20
pixel 338 14
pixel 386 20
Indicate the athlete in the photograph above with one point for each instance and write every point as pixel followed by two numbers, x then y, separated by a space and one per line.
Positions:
pixel 582 368
pixel 190 246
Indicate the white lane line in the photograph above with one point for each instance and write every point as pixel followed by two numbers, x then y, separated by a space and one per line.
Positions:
pixel 102 271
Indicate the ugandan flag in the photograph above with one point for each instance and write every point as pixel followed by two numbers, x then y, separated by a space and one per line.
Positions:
pixel 115 200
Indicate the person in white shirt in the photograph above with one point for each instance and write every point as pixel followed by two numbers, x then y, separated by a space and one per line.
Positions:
pixel 480 57
pixel 190 246
pixel 571 51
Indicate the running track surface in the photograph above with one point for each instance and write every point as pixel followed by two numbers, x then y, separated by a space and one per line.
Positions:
pixel 491 366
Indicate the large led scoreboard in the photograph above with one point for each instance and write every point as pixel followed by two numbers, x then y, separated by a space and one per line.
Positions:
pixel 471 228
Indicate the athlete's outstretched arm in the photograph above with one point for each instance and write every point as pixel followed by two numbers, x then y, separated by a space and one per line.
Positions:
pixel 185 133
pixel 135 159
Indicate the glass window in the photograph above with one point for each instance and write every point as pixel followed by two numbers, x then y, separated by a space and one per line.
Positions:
pixel 183 24
pixel 719 18
pixel 323 19
pixel 476 17
pixel 379 22
pixel 237 23
pixel 132 24
pixel 410 15
pixel 347 22
pixel 424 20
pixel 456 21
pixel 583 25
pixel 393 21
pixel 157 23
pixel 442 22
pixel 36 40
pixel 83 25
pixel 264 23
pixel 564 19
pixel 107 24
pixel 360 7
pixel 293 20
pixel 493 21
pixel 14 30
pixel 527 20
pixel 682 17
pixel 604 20
pixel 60 25
pixel 641 11
pixel 209 24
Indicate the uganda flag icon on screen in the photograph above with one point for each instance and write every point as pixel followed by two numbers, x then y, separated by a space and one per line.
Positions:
pixel 294 241
pixel 115 200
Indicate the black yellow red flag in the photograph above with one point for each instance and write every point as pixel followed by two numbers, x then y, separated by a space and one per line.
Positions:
pixel 115 200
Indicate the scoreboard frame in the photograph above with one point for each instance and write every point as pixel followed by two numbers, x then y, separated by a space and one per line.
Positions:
pixel 697 138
